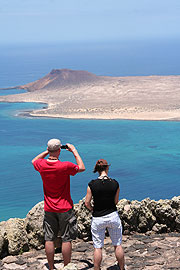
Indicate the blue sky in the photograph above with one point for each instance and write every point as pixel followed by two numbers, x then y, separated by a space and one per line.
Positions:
pixel 52 21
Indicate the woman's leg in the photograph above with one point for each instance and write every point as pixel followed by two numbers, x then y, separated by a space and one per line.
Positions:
pixel 98 234
pixel 97 258
pixel 119 252
pixel 115 233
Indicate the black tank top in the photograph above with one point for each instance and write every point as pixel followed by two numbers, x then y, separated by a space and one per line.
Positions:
pixel 103 191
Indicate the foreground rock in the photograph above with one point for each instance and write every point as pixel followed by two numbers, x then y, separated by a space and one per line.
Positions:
pixel 147 216
pixel 142 252
pixel 34 226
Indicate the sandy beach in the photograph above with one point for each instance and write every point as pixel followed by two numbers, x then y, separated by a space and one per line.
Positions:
pixel 138 98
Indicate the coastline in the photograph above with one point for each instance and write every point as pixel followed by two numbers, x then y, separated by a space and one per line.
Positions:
pixel 124 115
pixel 155 116
pixel 142 116
pixel 148 98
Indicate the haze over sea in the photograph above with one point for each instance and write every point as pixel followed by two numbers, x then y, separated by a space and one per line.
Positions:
pixel 144 155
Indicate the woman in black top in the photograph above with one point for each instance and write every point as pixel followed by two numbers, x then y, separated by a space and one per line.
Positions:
pixel 105 193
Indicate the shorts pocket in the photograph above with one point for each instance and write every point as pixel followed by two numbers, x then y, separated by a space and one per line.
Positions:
pixel 73 227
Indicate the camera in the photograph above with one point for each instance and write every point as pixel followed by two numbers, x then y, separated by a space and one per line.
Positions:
pixel 64 146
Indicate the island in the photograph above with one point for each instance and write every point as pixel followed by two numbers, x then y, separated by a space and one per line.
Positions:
pixel 81 94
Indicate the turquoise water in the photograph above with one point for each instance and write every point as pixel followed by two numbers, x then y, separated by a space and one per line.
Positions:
pixel 11 92
pixel 144 155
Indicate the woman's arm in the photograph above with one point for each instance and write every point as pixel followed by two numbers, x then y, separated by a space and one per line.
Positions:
pixel 88 199
pixel 116 198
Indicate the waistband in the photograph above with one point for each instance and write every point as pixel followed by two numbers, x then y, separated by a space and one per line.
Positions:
pixel 111 215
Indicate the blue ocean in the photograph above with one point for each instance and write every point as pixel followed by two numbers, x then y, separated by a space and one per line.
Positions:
pixel 144 155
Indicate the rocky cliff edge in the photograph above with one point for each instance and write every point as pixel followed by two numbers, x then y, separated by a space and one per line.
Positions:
pixel 148 216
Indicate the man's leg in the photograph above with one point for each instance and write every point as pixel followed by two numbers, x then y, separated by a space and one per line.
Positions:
pixel 119 252
pixel 97 258
pixel 66 252
pixel 49 247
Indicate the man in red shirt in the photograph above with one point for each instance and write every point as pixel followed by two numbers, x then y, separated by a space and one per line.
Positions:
pixel 58 205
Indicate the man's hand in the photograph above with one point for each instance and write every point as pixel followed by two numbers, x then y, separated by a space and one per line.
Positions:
pixel 71 147
pixel 79 161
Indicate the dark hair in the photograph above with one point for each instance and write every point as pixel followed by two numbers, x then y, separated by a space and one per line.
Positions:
pixel 100 168
pixel 101 165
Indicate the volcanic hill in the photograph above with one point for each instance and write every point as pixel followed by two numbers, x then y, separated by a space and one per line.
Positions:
pixel 61 77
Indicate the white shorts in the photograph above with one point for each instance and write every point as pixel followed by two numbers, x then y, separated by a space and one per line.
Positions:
pixel 112 223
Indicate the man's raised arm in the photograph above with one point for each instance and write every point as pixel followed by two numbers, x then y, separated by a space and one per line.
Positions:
pixel 79 161
pixel 42 155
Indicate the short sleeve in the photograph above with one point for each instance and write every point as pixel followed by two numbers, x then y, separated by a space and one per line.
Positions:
pixel 72 168
pixel 117 184
pixel 90 184
pixel 37 165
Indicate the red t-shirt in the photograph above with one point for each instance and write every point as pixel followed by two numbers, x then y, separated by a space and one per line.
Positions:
pixel 56 183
